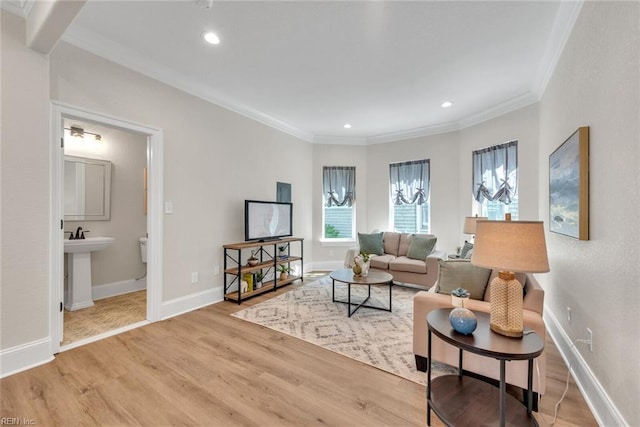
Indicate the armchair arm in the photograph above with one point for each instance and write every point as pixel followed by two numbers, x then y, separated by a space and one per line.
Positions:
pixel 432 265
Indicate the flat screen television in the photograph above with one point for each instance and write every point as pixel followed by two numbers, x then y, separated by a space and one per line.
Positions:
pixel 267 220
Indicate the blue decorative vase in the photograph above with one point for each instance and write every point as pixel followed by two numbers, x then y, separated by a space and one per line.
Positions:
pixel 463 321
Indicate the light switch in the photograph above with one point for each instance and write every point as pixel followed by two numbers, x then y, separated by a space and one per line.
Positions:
pixel 168 208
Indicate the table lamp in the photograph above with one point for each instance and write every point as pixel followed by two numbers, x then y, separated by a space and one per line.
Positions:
pixel 470 223
pixel 509 246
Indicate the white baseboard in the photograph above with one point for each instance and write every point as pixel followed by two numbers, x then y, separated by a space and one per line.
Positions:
pixel 117 288
pixel 25 356
pixel 603 409
pixel 191 302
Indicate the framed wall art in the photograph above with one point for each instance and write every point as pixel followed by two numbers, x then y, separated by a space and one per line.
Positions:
pixel 283 192
pixel 569 186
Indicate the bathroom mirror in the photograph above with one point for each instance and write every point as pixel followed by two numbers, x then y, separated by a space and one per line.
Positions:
pixel 87 189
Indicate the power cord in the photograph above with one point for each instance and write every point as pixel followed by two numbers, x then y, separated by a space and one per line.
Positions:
pixel 566 388
pixel 557 405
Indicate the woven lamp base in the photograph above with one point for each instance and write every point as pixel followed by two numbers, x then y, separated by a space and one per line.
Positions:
pixel 506 305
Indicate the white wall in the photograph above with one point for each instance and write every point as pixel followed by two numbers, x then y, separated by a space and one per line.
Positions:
pixel 25 176
pixel 442 150
pixel 521 125
pixel 596 84
pixel 331 255
pixel 214 159
pixel 127 153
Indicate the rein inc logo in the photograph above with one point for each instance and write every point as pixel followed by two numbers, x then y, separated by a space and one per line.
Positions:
pixel 15 421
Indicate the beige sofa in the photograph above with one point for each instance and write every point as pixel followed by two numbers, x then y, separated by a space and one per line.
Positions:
pixel 395 261
pixel 516 371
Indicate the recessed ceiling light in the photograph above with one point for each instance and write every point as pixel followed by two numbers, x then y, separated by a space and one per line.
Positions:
pixel 347 126
pixel 210 37
pixel 447 104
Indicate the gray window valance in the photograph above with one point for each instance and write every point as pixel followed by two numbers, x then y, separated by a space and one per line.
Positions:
pixel 409 182
pixel 495 173
pixel 339 185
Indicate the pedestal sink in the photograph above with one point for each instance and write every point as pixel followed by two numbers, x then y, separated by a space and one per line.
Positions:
pixel 79 263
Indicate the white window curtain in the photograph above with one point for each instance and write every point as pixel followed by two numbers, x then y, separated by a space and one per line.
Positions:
pixel 339 185
pixel 409 182
pixel 495 173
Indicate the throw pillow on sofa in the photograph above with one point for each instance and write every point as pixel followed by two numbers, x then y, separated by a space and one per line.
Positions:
pixel 466 248
pixel 421 246
pixel 371 243
pixel 455 274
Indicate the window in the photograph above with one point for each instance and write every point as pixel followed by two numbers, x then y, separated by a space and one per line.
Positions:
pixel 339 196
pixel 495 181
pixel 409 186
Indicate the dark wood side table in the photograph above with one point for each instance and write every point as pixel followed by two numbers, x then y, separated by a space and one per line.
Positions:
pixel 463 400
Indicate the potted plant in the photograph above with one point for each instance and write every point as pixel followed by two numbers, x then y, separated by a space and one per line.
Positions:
pixel 252 260
pixel 284 271
pixel 259 278
pixel 361 264
pixel 281 252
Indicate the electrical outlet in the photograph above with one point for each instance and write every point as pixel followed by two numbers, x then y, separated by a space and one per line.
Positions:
pixel 216 270
pixel 194 277
pixel 590 339
pixel 569 315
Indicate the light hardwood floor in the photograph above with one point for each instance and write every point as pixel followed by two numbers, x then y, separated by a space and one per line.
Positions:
pixel 209 368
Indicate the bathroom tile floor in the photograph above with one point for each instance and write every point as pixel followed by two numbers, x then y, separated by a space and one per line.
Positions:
pixel 106 315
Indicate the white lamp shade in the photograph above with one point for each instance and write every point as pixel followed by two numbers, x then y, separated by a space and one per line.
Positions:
pixel 470 224
pixel 517 246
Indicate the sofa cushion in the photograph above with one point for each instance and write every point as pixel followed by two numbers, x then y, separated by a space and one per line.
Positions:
pixel 455 274
pixel 421 246
pixel 391 241
pixel 405 241
pixel 409 265
pixel 381 261
pixel 371 243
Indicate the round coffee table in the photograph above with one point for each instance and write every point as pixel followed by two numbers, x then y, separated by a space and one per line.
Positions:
pixel 346 275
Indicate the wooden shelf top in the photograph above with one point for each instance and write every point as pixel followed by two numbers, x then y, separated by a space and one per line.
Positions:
pixel 256 243
pixel 261 265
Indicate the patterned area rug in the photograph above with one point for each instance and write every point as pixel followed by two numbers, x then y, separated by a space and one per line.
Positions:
pixel 378 338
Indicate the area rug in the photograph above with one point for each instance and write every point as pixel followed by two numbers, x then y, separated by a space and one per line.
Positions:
pixel 378 338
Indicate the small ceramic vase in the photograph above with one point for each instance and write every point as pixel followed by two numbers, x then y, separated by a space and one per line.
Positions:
pixel 463 321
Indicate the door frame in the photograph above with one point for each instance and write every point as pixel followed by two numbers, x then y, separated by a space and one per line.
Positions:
pixel 155 153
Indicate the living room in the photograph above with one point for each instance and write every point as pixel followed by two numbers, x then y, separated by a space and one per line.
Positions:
pixel 595 84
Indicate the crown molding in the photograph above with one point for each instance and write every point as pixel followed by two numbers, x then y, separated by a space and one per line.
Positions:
pixel 97 45
pixel 85 39
pixel 562 27
pixel 18 7
pixel 339 140
pixel 414 133
pixel 500 109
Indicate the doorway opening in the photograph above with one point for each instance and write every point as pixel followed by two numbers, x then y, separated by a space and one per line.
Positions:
pixel 107 186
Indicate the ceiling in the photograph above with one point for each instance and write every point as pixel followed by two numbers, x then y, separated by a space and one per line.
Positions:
pixel 308 67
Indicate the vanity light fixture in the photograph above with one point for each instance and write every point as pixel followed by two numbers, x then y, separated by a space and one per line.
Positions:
pixel 446 104
pixel 210 37
pixel 78 132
